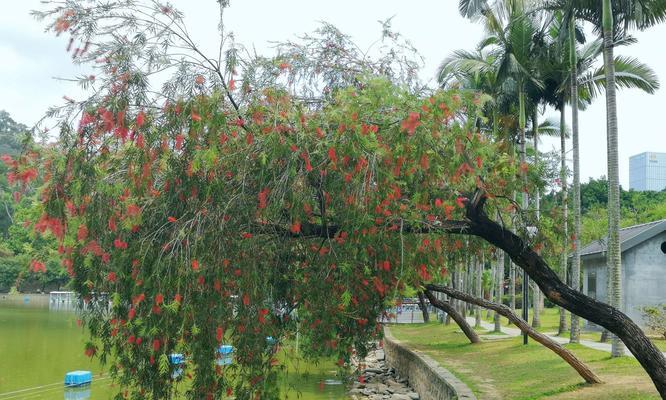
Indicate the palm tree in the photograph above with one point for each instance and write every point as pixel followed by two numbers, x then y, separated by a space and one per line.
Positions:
pixel 613 19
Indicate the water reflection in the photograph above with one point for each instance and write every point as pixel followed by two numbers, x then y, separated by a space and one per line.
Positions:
pixel 79 393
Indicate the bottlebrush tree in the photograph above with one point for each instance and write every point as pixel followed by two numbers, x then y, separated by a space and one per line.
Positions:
pixel 230 207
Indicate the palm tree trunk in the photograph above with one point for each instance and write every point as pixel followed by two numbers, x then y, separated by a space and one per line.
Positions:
pixel 565 215
pixel 499 291
pixel 479 288
pixel 575 262
pixel 614 255
pixel 536 303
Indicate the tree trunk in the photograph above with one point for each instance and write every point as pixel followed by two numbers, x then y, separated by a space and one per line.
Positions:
pixel 479 288
pixel 565 214
pixel 614 255
pixel 512 285
pixel 424 308
pixel 460 320
pixel 478 224
pixel 491 292
pixel 499 290
pixel 580 367
pixel 575 262
pixel 536 321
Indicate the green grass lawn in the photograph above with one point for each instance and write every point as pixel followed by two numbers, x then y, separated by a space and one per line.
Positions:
pixel 505 369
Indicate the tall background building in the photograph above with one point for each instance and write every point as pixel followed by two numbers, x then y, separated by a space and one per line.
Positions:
pixel 647 171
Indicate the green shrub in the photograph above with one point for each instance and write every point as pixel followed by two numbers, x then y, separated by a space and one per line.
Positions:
pixel 655 317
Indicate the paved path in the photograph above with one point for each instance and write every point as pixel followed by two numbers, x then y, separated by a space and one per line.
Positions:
pixel 509 331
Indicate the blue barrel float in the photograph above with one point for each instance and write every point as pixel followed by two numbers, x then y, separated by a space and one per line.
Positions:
pixel 225 352
pixel 78 378
pixel 177 360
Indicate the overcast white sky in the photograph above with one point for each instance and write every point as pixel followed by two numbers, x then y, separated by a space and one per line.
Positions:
pixel 30 58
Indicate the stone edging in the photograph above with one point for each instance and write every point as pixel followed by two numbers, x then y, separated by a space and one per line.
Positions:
pixel 425 375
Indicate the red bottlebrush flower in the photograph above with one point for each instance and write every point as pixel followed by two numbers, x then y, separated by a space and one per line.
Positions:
pixel 199 80
pixel 425 163
pixel 246 235
pixel 195 116
pixel 331 155
pixel 230 391
pixel 306 159
pixel 296 227
pixel 448 210
pixel 90 351
pixel 140 119
pixel 263 197
pixel 156 345
pixel 82 233
pixel 131 314
pixel 232 85
pixel 219 334
pixel 386 265
pixel 411 123
pixel 38 266
pixel 139 141
pixel 178 298
pixel 249 139
pixel 131 339
pixel 438 202
pixel 284 65
pixel 112 224
pixel 159 299
pixel 119 244
pixel 16 196
pixel 111 277
pixel 262 315
pixel 139 340
pixel 246 300
pixel 201 280
pixel 133 210
pixel 171 219
pixel 157 310
pixel 320 133
pixel 423 272
pixel 460 201
pixel 179 141
pixel 479 162
pixel 195 265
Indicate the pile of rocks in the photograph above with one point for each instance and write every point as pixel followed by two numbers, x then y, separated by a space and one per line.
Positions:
pixel 379 382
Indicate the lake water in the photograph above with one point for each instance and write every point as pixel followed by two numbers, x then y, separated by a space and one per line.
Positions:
pixel 40 343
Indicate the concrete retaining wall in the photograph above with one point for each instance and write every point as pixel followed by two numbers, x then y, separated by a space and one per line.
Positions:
pixel 430 380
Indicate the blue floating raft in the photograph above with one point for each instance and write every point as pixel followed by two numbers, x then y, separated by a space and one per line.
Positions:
pixel 225 349
pixel 78 378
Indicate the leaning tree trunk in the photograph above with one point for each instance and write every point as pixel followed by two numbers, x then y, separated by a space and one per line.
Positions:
pixel 424 308
pixel 609 317
pixel 455 315
pixel 580 367
pixel 575 262
pixel 565 215
pixel 614 255
pixel 500 289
